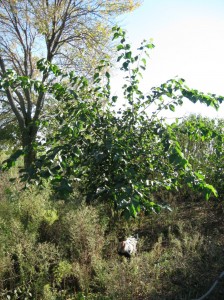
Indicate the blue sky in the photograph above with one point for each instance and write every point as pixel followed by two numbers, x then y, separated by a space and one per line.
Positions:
pixel 189 40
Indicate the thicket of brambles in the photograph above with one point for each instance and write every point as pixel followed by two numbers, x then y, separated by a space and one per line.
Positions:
pixel 101 173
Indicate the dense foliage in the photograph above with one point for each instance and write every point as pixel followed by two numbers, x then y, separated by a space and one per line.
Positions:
pixel 122 157
pixel 202 141
pixel 96 163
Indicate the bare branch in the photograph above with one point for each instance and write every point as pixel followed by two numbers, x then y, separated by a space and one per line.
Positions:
pixel 11 101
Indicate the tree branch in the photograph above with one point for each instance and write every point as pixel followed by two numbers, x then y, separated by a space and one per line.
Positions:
pixel 11 101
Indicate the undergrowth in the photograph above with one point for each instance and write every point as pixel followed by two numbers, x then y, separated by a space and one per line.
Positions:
pixel 54 249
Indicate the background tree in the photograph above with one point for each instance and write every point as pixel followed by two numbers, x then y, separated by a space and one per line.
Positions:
pixel 73 34
pixel 202 142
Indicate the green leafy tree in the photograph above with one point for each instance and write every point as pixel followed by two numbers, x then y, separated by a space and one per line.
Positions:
pixel 202 142
pixel 120 156
pixel 73 34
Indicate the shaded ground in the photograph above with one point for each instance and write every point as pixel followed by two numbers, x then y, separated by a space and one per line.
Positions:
pixel 194 278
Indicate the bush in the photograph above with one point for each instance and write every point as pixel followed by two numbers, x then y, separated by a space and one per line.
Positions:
pixel 53 249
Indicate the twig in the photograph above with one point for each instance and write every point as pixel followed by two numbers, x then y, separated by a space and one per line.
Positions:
pixel 212 287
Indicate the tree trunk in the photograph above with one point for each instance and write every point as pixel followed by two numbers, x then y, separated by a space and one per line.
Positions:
pixel 28 140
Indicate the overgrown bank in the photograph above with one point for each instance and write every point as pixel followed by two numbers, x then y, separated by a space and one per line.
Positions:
pixel 102 173
pixel 57 249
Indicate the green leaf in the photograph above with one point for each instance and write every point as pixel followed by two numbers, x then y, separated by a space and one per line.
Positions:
pixel 120 47
pixel 125 65
pixel 171 107
pixel 144 61
pixel 96 75
pixel 107 75
pixel 128 55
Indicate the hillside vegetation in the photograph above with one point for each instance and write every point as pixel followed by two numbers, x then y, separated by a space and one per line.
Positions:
pixel 100 174
pixel 65 249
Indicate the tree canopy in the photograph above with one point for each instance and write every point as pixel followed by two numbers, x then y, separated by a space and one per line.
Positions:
pixel 73 34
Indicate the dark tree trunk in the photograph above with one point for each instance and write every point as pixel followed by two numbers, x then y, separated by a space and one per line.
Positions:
pixel 28 140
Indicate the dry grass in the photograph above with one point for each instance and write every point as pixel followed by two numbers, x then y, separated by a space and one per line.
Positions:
pixel 65 250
